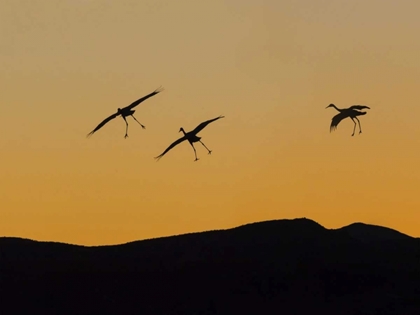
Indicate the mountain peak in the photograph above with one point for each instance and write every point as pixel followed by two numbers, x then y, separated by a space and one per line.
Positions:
pixel 369 232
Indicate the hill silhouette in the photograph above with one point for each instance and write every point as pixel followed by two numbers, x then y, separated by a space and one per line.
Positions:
pixel 281 266
pixel 368 232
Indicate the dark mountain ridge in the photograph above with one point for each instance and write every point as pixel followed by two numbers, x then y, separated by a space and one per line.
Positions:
pixel 288 266
pixel 368 232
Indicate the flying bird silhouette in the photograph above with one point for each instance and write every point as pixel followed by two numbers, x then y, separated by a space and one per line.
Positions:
pixel 191 137
pixel 126 111
pixel 352 112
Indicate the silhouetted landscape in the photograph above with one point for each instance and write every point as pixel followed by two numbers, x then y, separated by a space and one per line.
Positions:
pixel 273 267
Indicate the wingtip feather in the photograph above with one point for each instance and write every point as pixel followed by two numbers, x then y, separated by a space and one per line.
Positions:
pixel 159 89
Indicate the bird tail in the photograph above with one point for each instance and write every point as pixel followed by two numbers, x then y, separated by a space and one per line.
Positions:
pixel 157 158
pixel 360 113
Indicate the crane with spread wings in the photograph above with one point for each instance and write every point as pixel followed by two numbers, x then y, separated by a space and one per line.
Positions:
pixel 352 112
pixel 124 112
pixel 191 137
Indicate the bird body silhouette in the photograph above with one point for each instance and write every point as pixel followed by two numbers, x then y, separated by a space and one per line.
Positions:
pixel 124 112
pixel 352 112
pixel 191 137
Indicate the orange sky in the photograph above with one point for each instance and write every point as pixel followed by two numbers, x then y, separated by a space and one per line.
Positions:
pixel 271 67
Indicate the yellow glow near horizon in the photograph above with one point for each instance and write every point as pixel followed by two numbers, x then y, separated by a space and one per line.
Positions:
pixel 269 67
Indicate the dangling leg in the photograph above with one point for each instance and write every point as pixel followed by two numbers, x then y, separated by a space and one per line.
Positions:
pixel 360 127
pixel 195 153
pixel 205 147
pixel 354 129
pixel 138 122
pixel 126 127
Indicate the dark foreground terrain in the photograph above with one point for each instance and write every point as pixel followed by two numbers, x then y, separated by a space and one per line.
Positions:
pixel 274 267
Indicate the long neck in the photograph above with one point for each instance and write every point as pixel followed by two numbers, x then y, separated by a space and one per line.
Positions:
pixel 183 131
pixel 340 110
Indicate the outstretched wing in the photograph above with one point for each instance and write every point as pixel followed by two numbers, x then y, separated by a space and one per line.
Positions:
pixel 134 104
pixel 171 146
pixel 336 120
pixel 102 124
pixel 359 107
pixel 204 124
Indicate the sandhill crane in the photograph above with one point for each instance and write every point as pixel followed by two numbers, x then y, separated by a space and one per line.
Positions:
pixel 126 111
pixel 351 112
pixel 191 137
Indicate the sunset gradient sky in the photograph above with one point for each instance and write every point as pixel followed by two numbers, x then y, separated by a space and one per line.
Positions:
pixel 270 67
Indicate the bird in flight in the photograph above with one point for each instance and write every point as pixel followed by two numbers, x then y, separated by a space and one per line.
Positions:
pixel 124 112
pixel 191 137
pixel 352 112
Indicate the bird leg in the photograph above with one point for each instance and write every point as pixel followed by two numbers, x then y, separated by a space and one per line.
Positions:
pixel 360 127
pixel 126 127
pixel 205 147
pixel 354 129
pixel 138 122
pixel 195 152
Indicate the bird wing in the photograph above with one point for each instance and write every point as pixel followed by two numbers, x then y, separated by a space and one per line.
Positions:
pixel 359 107
pixel 134 104
pixel 171 146
pixel 336 120
pixel 204 124
pixel 102 124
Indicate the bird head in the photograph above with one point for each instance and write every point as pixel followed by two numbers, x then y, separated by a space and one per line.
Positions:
pixel 331 105
pixel 181 129
pixel 119 110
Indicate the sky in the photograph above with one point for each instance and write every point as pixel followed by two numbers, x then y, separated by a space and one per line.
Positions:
pixel 270 67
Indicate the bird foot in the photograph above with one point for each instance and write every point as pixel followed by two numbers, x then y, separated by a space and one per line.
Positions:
pixel 196 159
pixel 143 126
pixel 352 135
pixel 210 152
pixel 126 136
